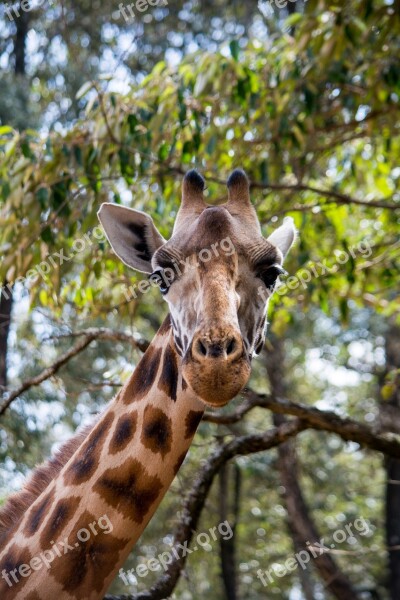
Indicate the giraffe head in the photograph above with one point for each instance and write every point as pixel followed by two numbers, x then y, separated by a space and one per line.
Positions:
pixel 216 272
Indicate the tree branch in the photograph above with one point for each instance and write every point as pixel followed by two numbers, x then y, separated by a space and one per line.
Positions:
pixel 347 429
pixel 338 197
pixel 103 333
pixel 229 419
pixel 89 335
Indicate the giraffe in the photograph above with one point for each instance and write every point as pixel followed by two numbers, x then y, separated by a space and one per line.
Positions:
pixel 70 529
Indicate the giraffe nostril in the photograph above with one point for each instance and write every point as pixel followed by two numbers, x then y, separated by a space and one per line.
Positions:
pixel 201 348
pixel 227 348
pixel 231 347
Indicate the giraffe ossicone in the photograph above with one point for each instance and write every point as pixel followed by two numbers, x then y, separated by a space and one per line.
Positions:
pixel 221 273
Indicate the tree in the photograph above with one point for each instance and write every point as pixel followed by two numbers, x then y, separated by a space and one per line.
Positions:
pixel 311 112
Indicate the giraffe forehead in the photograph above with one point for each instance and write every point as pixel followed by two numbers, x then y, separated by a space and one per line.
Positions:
pixel 215 236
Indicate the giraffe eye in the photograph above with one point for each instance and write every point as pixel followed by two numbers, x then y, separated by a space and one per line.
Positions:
pixel 162 279
pixel 269 276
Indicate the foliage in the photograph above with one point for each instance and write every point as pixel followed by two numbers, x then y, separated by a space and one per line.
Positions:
pixel 290 115
pixel 311 112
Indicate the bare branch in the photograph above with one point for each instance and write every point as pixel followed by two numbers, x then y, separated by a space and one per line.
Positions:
pixel 229 419
pixel 337 197
pixel 347 429
pixel 46 373
pixel 88 335
pixel 103 333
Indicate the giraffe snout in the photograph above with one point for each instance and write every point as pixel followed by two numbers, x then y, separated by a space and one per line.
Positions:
pixel 227 347
pixel 216 366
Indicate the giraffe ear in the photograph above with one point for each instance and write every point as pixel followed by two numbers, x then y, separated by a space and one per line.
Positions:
pixel 132 235
pixel 284 237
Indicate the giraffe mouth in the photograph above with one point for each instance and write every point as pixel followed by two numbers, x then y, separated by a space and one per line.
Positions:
pixel 215 382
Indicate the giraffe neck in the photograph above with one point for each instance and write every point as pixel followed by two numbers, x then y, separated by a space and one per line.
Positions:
pixel 108 490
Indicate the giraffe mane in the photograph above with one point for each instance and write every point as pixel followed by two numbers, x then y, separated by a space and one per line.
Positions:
pixel 19 502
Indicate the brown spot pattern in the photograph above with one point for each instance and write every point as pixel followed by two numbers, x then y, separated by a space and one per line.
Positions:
pixel 124 432
pixel 169 375
pixel 37 514
pixel 192 421
pixel 144 376
pixel 129 489
pixel 61 515
pixel 166 326
pixel 83 467
pixel 33 596
pixel 184 384
pixel 157 430
pixel 85 568
pixel 179 462
pixel 15 557
pixel 18 504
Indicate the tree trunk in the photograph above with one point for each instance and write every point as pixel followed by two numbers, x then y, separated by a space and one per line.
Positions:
pixel 228 546
pixel 6 300
pixel 300 523
pixel 22 25
pixel 6 293
pixel 392 344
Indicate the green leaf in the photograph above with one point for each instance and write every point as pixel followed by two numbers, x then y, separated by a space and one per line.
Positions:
pixel 234 48
pixel 132 122
pixel 78 155
pixel 292 20
pixel 344 310
pixel 42 196
pixel 187 152
pixel 6 129
pixel 387 391
pixel 43 297
pixel 26 150
pixel 212 144
pixel 84 89
pixel 47 235
pixel 163 151
pixel 97 269
pixel 264 172
pixel 196 141
pixel 310 100
pixel 5 190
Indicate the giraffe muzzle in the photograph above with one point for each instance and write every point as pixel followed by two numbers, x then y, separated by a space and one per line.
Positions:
pixel 216 368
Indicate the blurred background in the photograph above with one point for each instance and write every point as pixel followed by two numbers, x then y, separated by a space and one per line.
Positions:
pixel 101 101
